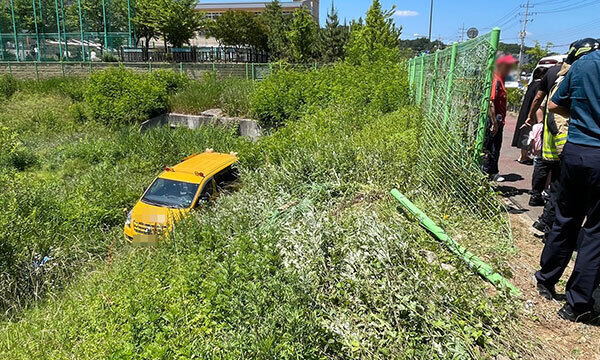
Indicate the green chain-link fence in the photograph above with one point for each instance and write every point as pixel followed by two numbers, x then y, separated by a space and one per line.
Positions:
pixel 68 30
pixel 453 87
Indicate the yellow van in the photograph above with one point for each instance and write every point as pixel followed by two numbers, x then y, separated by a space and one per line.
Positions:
pixel 176 192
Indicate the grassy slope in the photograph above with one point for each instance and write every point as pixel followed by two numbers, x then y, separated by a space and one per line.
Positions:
pixel 308 260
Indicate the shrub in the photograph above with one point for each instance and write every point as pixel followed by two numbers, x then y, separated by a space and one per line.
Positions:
pixel 170 80
pixel 109 57
pixel 287 95
pixel 8 86
pixel 515 98
pixel 117 96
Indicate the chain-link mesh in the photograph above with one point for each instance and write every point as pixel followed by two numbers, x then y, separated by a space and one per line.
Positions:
pixel 453 87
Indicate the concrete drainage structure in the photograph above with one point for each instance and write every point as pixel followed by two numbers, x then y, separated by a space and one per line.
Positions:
pixel 247 127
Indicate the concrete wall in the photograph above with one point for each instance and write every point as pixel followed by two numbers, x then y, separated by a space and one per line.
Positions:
pixel 246 127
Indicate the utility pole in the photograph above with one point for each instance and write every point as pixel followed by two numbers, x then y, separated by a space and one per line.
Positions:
pixel 430 19
pixel 523 34
pixel 463 31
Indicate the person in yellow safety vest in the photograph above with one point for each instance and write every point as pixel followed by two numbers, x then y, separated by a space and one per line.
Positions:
pixel 556 129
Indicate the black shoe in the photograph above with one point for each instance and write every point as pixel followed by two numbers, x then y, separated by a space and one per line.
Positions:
pixel 548 293
pixel 541 226
pixel 537 200
pixel 568 313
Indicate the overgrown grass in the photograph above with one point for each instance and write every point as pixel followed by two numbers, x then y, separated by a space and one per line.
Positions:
pixel 310 259
pixel 229 94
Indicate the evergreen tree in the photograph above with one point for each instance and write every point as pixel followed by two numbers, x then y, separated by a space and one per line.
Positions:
pixel 277 27
pixel 334 38
pixel 378 38
pixel 302 36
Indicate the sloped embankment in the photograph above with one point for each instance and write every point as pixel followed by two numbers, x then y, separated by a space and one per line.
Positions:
pixel 310 259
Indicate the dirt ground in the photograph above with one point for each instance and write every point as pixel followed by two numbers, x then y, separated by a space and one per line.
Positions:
pixel 559 339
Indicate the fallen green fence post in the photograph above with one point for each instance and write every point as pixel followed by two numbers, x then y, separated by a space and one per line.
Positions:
pixel 469 258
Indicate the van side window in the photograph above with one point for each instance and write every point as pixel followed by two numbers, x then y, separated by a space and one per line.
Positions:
pixel 208 191
pixel 225 178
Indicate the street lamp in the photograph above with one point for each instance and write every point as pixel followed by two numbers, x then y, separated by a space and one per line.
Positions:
pixel 430 19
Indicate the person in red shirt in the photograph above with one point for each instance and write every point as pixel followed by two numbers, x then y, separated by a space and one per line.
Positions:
pixel 498 105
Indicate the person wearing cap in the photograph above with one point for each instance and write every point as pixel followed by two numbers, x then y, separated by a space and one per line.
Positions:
pixel 578 199
pixel 498 106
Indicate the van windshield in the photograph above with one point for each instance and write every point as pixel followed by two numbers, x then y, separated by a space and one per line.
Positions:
pixel 170 193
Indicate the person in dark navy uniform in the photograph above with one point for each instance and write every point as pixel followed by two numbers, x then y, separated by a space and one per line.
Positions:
pixel 578 202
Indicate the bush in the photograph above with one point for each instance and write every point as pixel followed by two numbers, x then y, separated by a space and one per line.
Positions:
pixel 170 80
pixel 117 97
pixel 287 95
pixel 8 86
pixel 515 98
pixel 109 57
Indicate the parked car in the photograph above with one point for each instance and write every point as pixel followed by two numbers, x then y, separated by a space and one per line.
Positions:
pixel 177 191
pixel 548 62
pixel 511 82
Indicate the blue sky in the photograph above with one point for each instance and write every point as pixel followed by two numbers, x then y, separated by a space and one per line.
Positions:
pixel 556 21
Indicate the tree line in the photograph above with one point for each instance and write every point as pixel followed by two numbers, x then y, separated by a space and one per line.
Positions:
pixel 294 37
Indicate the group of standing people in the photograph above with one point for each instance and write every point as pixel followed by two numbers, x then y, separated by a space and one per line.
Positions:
pixel 559 124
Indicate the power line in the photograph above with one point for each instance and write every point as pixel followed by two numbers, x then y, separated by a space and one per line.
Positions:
pixel 523 34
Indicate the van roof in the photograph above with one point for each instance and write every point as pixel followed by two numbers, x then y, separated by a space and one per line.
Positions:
pixel 207 164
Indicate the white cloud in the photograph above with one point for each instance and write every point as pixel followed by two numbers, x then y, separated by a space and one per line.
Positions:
pixel 405 13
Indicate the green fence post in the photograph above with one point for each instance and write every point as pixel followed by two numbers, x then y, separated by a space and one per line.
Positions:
pixel 62 68
pixel 37 74
pixel 247 72
pixel 180 67
pixel 104 23
pixel 37 34
pixel 1 46
pixel 433 81
pixel 81 31
pixel 10 67
pixel 60 52
pixel 14 24
pixel 64 28
pixel 214 67
pixel 421 80
pixel 485 102
pixel 149 67
pixel 450 83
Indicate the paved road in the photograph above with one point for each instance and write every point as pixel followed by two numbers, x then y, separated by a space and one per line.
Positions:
pixel 518 176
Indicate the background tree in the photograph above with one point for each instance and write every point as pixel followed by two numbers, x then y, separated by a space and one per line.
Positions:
pixel 376 39
pixel 420 45
pixel 175 20
pixel 277 25
pixel 333 38
pixel 144 22
pixel 536 54
pixel 302 36
pixel 238 28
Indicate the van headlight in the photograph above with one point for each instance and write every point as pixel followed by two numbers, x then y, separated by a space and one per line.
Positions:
pixel 128 221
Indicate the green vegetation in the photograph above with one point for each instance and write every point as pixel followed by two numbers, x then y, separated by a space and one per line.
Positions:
pixel 310 259
pixel 229 94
